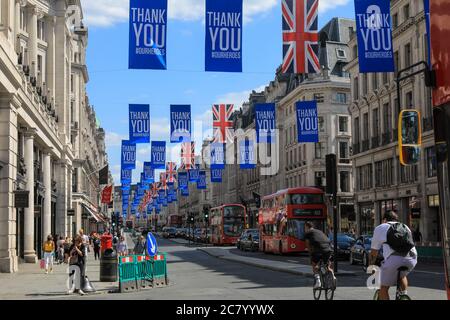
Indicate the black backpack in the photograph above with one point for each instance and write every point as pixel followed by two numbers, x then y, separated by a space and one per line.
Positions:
pixel 399 238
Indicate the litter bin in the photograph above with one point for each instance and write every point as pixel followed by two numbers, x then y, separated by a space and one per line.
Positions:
pixel 108 266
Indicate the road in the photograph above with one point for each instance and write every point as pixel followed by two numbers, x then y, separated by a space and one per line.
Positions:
pixel 195 275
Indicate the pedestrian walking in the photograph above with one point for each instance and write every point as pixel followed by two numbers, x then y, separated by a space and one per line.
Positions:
pixel 96 243
pixel 49 248
pixel 60 250
pixel 67 244
pixel 139 248
pixel 122 247
pixel 77 258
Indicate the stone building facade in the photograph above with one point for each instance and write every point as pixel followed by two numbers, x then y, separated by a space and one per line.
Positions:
pixel 42 44
pixel 381 182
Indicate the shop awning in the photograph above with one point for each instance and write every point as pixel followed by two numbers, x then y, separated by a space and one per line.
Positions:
pixel 92 213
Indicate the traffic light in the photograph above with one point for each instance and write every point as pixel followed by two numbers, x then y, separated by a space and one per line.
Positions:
pixel 331 168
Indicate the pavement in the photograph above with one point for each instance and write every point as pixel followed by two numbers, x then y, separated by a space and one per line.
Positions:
pixel 31 282
pixel 226 253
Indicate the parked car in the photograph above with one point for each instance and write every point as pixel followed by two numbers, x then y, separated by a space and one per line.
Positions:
pixel 344 243
pixel 360 251
pixel 245 237
pixel 249 240
pixel 200 235
pixel 179 233
pixel 169 232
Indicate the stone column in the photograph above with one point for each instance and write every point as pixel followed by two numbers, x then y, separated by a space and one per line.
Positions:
pixel 32 44
pixel 48 195
pixel 30 254
pixel 50 23
pixel 61 205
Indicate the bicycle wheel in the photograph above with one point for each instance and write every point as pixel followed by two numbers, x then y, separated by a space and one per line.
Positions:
pixel 329 294
pixel 330 285
pixel 403 297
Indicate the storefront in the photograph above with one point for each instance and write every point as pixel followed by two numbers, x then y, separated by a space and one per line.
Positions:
pixel 366 218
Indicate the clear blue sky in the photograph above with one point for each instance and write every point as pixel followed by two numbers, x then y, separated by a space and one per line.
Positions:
pixel 112 86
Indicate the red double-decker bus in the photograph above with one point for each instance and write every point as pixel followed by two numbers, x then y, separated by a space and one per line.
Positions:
pixel 227 223
pixel 282 218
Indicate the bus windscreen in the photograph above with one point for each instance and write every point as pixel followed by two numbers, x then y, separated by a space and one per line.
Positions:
pixel 301 198
pixel 233 221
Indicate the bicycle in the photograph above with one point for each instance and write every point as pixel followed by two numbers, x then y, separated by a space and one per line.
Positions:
pixel 327 283
pixel 398 294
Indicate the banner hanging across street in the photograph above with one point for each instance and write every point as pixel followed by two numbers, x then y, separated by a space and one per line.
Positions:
pixel 180 123
pixel 307 121
pixel 139 123
pixel 300 37
pixel 171 173
pixel 106 194
pixel 222 124
pixel 187 155
pixel 201 182
pixel 217 155
pixel 125 176
pixel 247 159
pixel 223 36
pixel 374 34
pixel 149 173
pixel 194 173
pixel 128 159
pixel 216 175
pixel 183 181
pixel 158 153
pixel 148 34
pixel 265 122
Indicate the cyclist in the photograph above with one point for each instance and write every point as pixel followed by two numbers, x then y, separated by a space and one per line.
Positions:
pixel 319 249
pixel 389 235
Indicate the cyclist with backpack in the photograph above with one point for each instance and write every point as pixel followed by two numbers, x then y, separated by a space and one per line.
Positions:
pixel 395 238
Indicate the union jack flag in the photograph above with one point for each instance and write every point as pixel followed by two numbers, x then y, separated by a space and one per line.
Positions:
pixel 300 38
pixel 187 155
pixel 162 181
pixel 222 124
pixel 171 172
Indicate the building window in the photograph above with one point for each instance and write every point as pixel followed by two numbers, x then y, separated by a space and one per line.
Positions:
pixel 341 97
pixel 431 162
pixel 408 55
pixel 364 177
pixel 366 126
pixel 384 173
pixel 375 123
pixel 396 61
pixel 385 78
pixel 374 81
pixel 344 181
pixel 343 152
pixel 321 121
pixel 341 53
pixel 23 19
pixel 319 97
pixel 75 180
pixel 406 13
pixel 41 29
pixel 343 124
pixel 394 20
pixel 320 150
pixel 365 84
pixel 71 83
pixel 408 174
pixel 356 89
pixel 409 99
pixel 356 130
pixel 318 178
pixel 387 120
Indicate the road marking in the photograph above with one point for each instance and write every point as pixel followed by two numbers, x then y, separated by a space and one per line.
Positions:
pixel 429 272
pixel 293 261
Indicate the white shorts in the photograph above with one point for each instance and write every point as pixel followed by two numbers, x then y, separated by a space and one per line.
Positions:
pixel 389 269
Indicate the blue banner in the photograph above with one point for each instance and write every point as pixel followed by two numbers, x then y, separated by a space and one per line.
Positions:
pixel 194 174
pixel 374 31
pixel 223 36
pixel 307 121
pixel 128 160
pixel 201 183
pixel 183 181
pixel 148 34
pixel 126 193
pixel 184 192
pixel 180 123
pixel 216 175
pixel 125 176
pixel 149 173
pixel 139 123
pixel 124 187
pixel 158 154
pixel 247 156
pixel 217 155
pixel 158 209
pixel 265 122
